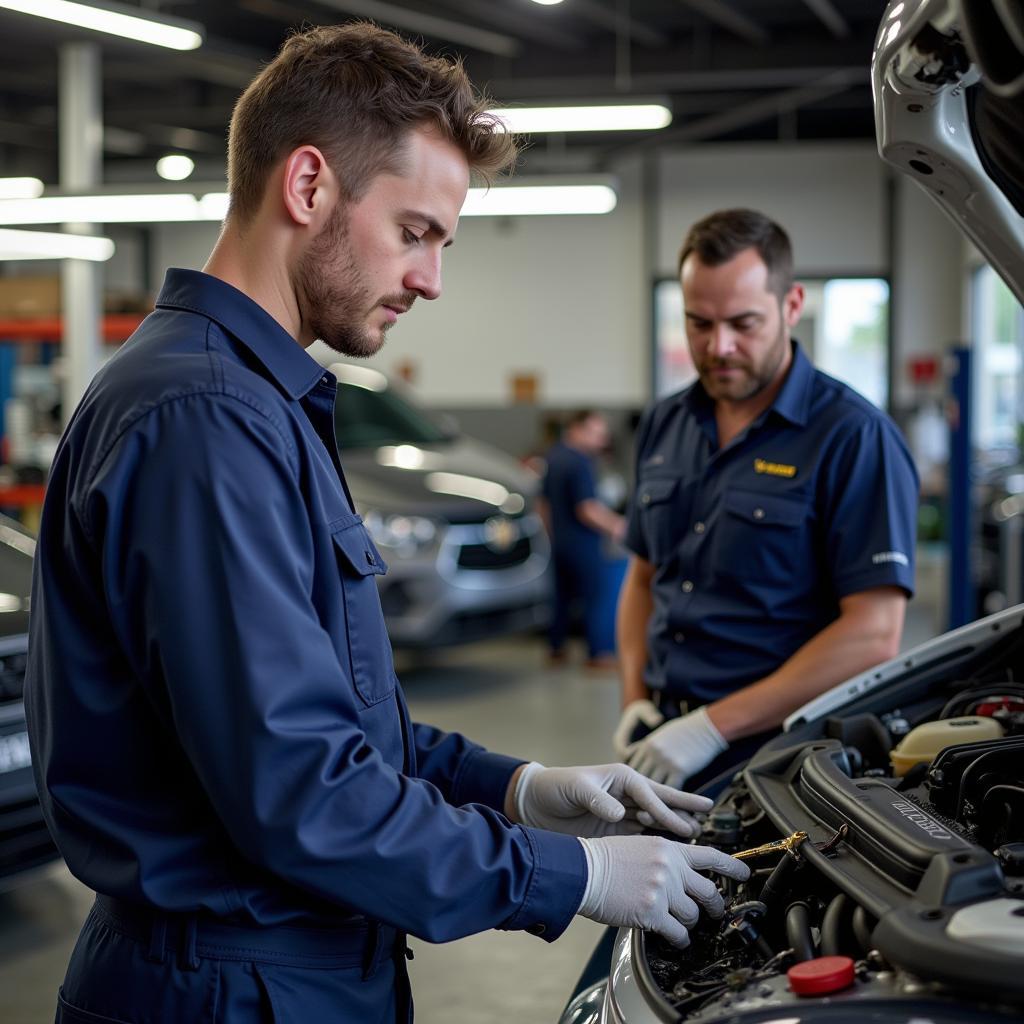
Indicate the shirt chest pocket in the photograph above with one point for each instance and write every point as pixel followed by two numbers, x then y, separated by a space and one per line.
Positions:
pixel 763 538
pixel 662 520
pixel 359 563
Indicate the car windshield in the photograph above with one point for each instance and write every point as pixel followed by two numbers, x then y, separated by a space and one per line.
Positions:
pixel 366 418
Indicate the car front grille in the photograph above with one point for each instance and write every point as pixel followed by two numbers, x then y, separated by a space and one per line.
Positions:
pixel 483 556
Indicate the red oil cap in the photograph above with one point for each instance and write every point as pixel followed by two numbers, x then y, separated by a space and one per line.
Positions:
pixel 821 976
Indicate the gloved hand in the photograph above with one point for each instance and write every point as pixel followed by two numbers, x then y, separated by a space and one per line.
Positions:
pixel 637 712
pixel 650 882
pixel 678 749
pixel 602 800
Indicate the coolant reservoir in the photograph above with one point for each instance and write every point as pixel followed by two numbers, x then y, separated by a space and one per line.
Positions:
pixel 924 742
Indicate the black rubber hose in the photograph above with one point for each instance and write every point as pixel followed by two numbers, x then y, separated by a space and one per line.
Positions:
pixel 778 880
pixel 862 928
pixel 832 926
pixel 798 932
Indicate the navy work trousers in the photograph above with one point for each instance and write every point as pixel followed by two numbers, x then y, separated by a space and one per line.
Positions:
pixel 134 967
pixel 578 583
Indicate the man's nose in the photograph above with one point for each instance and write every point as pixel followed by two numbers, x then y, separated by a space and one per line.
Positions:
pixel 424 277
pixel 721 341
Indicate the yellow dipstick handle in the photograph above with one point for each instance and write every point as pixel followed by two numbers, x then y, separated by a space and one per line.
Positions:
pixel 789 843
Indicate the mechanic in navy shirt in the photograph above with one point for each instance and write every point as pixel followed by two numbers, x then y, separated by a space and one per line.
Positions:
pixel 577 521
pixel 772 526
pixel 221 747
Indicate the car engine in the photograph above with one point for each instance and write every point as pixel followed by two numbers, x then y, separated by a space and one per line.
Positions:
pixel 887 863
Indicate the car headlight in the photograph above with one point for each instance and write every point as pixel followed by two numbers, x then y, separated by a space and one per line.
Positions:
pixel 405 536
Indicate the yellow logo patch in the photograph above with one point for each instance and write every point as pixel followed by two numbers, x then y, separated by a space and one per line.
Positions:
pixel 774 468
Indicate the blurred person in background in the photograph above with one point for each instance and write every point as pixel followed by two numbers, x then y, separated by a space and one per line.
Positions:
pixel 578 523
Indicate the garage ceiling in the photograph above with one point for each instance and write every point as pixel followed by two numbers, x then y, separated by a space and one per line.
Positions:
pixel 729 69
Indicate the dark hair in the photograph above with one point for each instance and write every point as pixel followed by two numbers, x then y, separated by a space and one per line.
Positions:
pixel 355 92
pixel 579 417
pixel 723 235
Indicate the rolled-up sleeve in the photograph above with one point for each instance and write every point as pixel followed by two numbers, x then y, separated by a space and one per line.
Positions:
pixel 208 561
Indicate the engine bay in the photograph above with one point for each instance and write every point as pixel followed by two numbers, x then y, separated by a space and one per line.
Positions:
pixel 886 849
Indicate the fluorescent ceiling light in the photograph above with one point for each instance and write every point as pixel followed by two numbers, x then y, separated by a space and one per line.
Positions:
pixel 547 3
pixel 20 188
pixel 613 118
pixel 130 209
pixel 538 200
pixel 500 201
pixel 50 245
pixel 175 166
pixel 116 20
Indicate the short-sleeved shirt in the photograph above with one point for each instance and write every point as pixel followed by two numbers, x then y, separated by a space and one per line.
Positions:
pixel 569 480
pixel 215 718
pixel 755 544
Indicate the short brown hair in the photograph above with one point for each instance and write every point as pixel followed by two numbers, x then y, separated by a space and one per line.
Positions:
pixel 723 235
pixel 355 91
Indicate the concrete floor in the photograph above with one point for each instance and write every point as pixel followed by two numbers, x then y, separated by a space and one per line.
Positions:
pixel 503 695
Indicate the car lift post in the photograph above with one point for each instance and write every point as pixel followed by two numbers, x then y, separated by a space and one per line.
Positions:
pixel 961 584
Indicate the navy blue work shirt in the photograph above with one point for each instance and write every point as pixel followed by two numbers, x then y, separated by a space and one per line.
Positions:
pixel 569 480
pixel 215 718
pixel 754 544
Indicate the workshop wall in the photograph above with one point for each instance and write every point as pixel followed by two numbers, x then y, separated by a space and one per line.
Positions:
pixel 567 299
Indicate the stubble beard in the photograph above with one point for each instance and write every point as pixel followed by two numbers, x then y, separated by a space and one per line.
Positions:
pixel 333 301
pixel 755 378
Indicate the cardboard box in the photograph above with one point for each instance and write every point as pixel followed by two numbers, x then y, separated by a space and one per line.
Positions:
pixel 28 297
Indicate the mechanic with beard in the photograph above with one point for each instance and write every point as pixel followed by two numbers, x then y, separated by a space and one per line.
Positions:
pixel 221 747
pixel 772 526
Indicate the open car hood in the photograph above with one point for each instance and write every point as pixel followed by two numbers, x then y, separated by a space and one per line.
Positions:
pixel 948 82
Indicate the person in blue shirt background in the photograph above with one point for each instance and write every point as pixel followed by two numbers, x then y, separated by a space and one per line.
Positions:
pixel 577 522
pixel 221 746
pixel 772 528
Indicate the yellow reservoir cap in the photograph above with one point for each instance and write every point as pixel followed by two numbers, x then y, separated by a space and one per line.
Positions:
pixel 925 742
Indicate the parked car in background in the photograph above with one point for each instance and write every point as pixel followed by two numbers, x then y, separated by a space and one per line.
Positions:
pixel 453 517
pixel 25 844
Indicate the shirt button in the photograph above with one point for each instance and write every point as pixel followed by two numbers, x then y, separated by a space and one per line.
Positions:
pixel 759 513
pixel 369 559
pixel 687 586
pixel 645 499
pixel 698 527
pixel 537 929
pixel 679 638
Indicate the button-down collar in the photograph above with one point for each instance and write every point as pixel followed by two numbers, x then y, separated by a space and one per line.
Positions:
pixel 295 371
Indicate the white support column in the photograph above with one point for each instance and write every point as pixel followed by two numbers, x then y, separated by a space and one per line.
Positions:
pixel 81 154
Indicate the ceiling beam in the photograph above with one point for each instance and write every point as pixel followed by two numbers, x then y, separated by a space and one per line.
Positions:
pixel 829 17
pixel 656 83
pixel 614 20
pixel 732 21
pixel 754 112
pixel 429 25
pixel 527 24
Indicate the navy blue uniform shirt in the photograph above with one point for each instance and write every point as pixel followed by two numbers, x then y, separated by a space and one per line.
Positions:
pixel 215 719
pixel 569 480
pixel 754 545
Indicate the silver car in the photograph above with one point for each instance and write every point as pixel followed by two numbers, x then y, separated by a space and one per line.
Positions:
pixel 454 518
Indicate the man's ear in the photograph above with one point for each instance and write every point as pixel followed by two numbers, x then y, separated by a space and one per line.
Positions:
pixel 308 187
pixel 793 304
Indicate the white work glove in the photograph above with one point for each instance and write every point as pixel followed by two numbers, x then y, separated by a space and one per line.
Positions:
pixel 633 714
pixel 602 800
pixel 678 749
pixel 652 883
